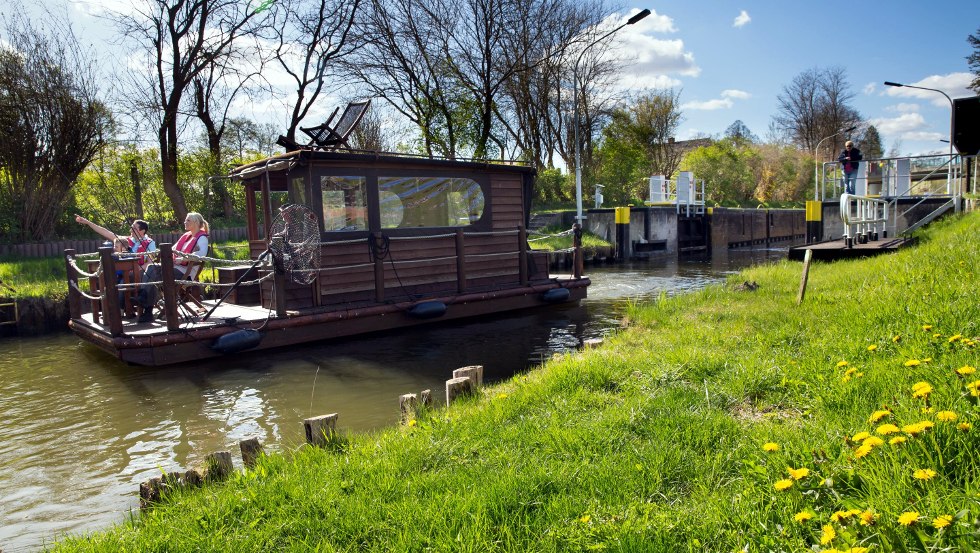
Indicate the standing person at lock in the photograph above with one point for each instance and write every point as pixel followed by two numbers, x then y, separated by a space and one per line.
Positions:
pixel 193 241
pixel 138 240
pixel 850 160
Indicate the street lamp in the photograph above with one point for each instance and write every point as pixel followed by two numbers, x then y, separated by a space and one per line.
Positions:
pixel 952 109
pixel 578 145
pixel 816 179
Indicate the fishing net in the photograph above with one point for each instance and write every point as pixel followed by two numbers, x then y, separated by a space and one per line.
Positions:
pixel 294 243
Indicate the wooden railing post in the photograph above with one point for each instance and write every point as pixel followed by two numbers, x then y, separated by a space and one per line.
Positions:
pixel 522 256
pixel 276 244
pixel 74 298
pixel 110 296
pixel 578 262
pixel 379 268
pixel 169 286
pixel 460 261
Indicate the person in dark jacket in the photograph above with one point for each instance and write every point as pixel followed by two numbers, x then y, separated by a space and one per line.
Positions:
pixel 849 159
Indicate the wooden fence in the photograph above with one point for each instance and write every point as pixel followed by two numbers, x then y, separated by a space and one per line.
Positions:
pixel 57 248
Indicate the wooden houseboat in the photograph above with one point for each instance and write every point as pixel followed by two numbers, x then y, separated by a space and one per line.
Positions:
pixel 401 240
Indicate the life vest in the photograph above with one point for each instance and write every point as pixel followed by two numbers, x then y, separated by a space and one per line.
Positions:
pixel 186 244
pixel 143 245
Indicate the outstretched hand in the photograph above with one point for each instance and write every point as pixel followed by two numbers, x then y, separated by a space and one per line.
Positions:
pixel 81 220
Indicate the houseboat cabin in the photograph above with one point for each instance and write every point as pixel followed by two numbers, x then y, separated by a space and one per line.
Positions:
pixel 401 241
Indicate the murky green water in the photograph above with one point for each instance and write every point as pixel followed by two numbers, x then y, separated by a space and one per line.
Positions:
pixel 79 430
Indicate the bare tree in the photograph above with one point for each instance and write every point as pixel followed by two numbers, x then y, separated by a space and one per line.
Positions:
pixel 52 119
pixel 182 40
pixel 814 106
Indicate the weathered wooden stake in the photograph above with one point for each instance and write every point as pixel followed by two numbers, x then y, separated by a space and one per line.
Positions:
pixel 806 273
pixel 473 371
pixel 193 478
pixel 425 398
pixel 218 466
pixel 457 387
pixel 407 405
pixel 319 430
pixel 592 343
pixel 251 451
pixel 149 492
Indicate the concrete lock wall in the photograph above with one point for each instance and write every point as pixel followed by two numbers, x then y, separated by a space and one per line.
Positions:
pixel 652 229
pixel 833 227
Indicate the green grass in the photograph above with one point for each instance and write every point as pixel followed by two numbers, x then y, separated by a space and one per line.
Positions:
pixel 558 241
pixel 655 441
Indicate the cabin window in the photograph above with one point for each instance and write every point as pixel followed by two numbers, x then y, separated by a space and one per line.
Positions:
pixel 344 203
pixel 411 202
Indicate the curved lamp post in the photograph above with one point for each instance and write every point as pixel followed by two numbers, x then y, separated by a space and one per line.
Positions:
pixel 578 145
pixel 952 110
pixel 816 179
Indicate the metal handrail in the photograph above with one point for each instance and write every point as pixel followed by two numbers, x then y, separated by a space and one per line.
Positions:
pixel 864 218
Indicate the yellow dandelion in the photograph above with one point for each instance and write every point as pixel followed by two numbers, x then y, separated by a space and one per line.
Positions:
pixel 783 485
pixel 842 364
pixel 937 335
pixel 927 328
pixel 856 550
pixel 946 416
pixel 924 474
pixel 846 379
pixel 896 338
pixel 803 516
pixel 799 473
pixel 862 451
pixel 502 396
pixel 897 440
pixel 585 518
pixel 954 338
pixel 927 359
pixel 873 441
pixel 908 518
pixel 850 371
pixel 886 429
pixel 867 518
pixel 964 426
pixel 917 428
pixel 965 370
pixel 858 375
pixel 412 422
pixel 921 390
pixel 860 436
pixel 828 534
pixel 872 347
pixel 942 521
pixel 878 415
pixel 770 447
pixel 912 363
pixel 926 410
pixel 843 515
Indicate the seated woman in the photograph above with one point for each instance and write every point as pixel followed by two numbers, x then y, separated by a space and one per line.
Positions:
pixel 193 241
pixel 138 240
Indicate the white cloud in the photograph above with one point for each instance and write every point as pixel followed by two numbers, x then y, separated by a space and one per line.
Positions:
pixel 953 84
pixel 903 108
pixel 870 88
pixel 742 19
pixel 658 82
pixel 907 126
pixel 924 136
pixel 734 93
pixel 709 105
pixel 653 23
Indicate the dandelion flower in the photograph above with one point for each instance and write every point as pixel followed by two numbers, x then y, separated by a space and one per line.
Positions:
pixel 912 363
pixel 897 440
pixel 926 410
pixel 872 347
pixel 846 379
pixel 917 428
pixel 896 338
pixel 942 521
pixel 887 429
pixel 585 518
pixel 878 415
pixel 850 371
pixel 867 518
pixel 946 416
pixel 924 474
pixel 965 370
pixel 412 422
pixel 842 364
pixel 783 485
pixel 926 328
pixel 770 447
pixel 842 515
pixel 796 474
pixel 954 338
pixel 501 396
pixel 937 335
pixel 828 534
pixel 921 390
pixel 862 451
pixel 860 436
pixel 927 359
pixel 803 516
pixel 873 441
pixel 964 426
pixel 908 518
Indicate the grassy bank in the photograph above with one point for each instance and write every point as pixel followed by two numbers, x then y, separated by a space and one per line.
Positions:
pixel 726 420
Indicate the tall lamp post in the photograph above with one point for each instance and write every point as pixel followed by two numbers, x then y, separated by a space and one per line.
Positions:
pixel 816 179
pixel 578 145
pixel 952 110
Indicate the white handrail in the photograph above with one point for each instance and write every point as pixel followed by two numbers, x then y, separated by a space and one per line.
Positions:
pixel 861 216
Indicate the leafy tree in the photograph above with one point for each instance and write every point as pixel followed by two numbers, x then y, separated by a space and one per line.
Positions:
pixel 52 120
pixel 727 169
pixel 974 60
pixel 739 131
pixel 870 144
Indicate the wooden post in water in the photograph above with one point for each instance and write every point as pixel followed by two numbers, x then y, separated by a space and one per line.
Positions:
pixel 169 286
pixel 577 262
pixel 426 398
pixel 251 451
pixel 806 272
pixel 74 298
pixel 460 262
pixel 473 371
pixel 218 466
pixel 457 387
pixel 320 430
pixel 278 276
pixel 522 257
pixel 407 406
pixel 379 269
pixel 149 492
pixel 592 343
pixel 110 297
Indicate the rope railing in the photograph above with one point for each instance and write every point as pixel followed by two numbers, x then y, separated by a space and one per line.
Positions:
pixel 82 272
pixel 84 294
pixel 499 254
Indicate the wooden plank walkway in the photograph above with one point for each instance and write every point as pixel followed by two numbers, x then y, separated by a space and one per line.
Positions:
pixel 832 250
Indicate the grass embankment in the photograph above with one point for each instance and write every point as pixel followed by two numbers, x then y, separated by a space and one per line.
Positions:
pixel 725 420
pixel 556 239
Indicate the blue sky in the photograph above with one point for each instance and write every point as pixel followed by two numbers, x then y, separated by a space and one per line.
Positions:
pixel 731 59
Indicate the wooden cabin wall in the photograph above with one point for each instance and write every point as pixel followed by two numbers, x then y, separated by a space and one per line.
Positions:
pixel 507 200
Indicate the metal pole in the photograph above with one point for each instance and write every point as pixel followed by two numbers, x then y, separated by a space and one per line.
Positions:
pixel 952 110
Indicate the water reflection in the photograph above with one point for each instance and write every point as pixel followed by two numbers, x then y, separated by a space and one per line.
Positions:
pixel 79 430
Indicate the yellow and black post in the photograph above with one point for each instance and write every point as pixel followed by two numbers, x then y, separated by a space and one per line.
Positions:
pixel 814 221
pixel 623 244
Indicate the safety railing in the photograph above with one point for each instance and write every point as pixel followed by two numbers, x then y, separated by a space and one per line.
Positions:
pixel 863 217
pixel 685 193
pixel 900 177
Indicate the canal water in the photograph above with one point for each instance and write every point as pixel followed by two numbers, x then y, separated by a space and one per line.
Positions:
pixel 79 430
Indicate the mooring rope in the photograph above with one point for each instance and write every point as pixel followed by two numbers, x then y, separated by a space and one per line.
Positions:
pixel 79 290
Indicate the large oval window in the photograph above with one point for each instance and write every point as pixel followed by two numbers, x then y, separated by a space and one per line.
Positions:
pixel 413 202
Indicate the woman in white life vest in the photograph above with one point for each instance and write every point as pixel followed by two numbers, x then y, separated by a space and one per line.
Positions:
pixel 193 241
